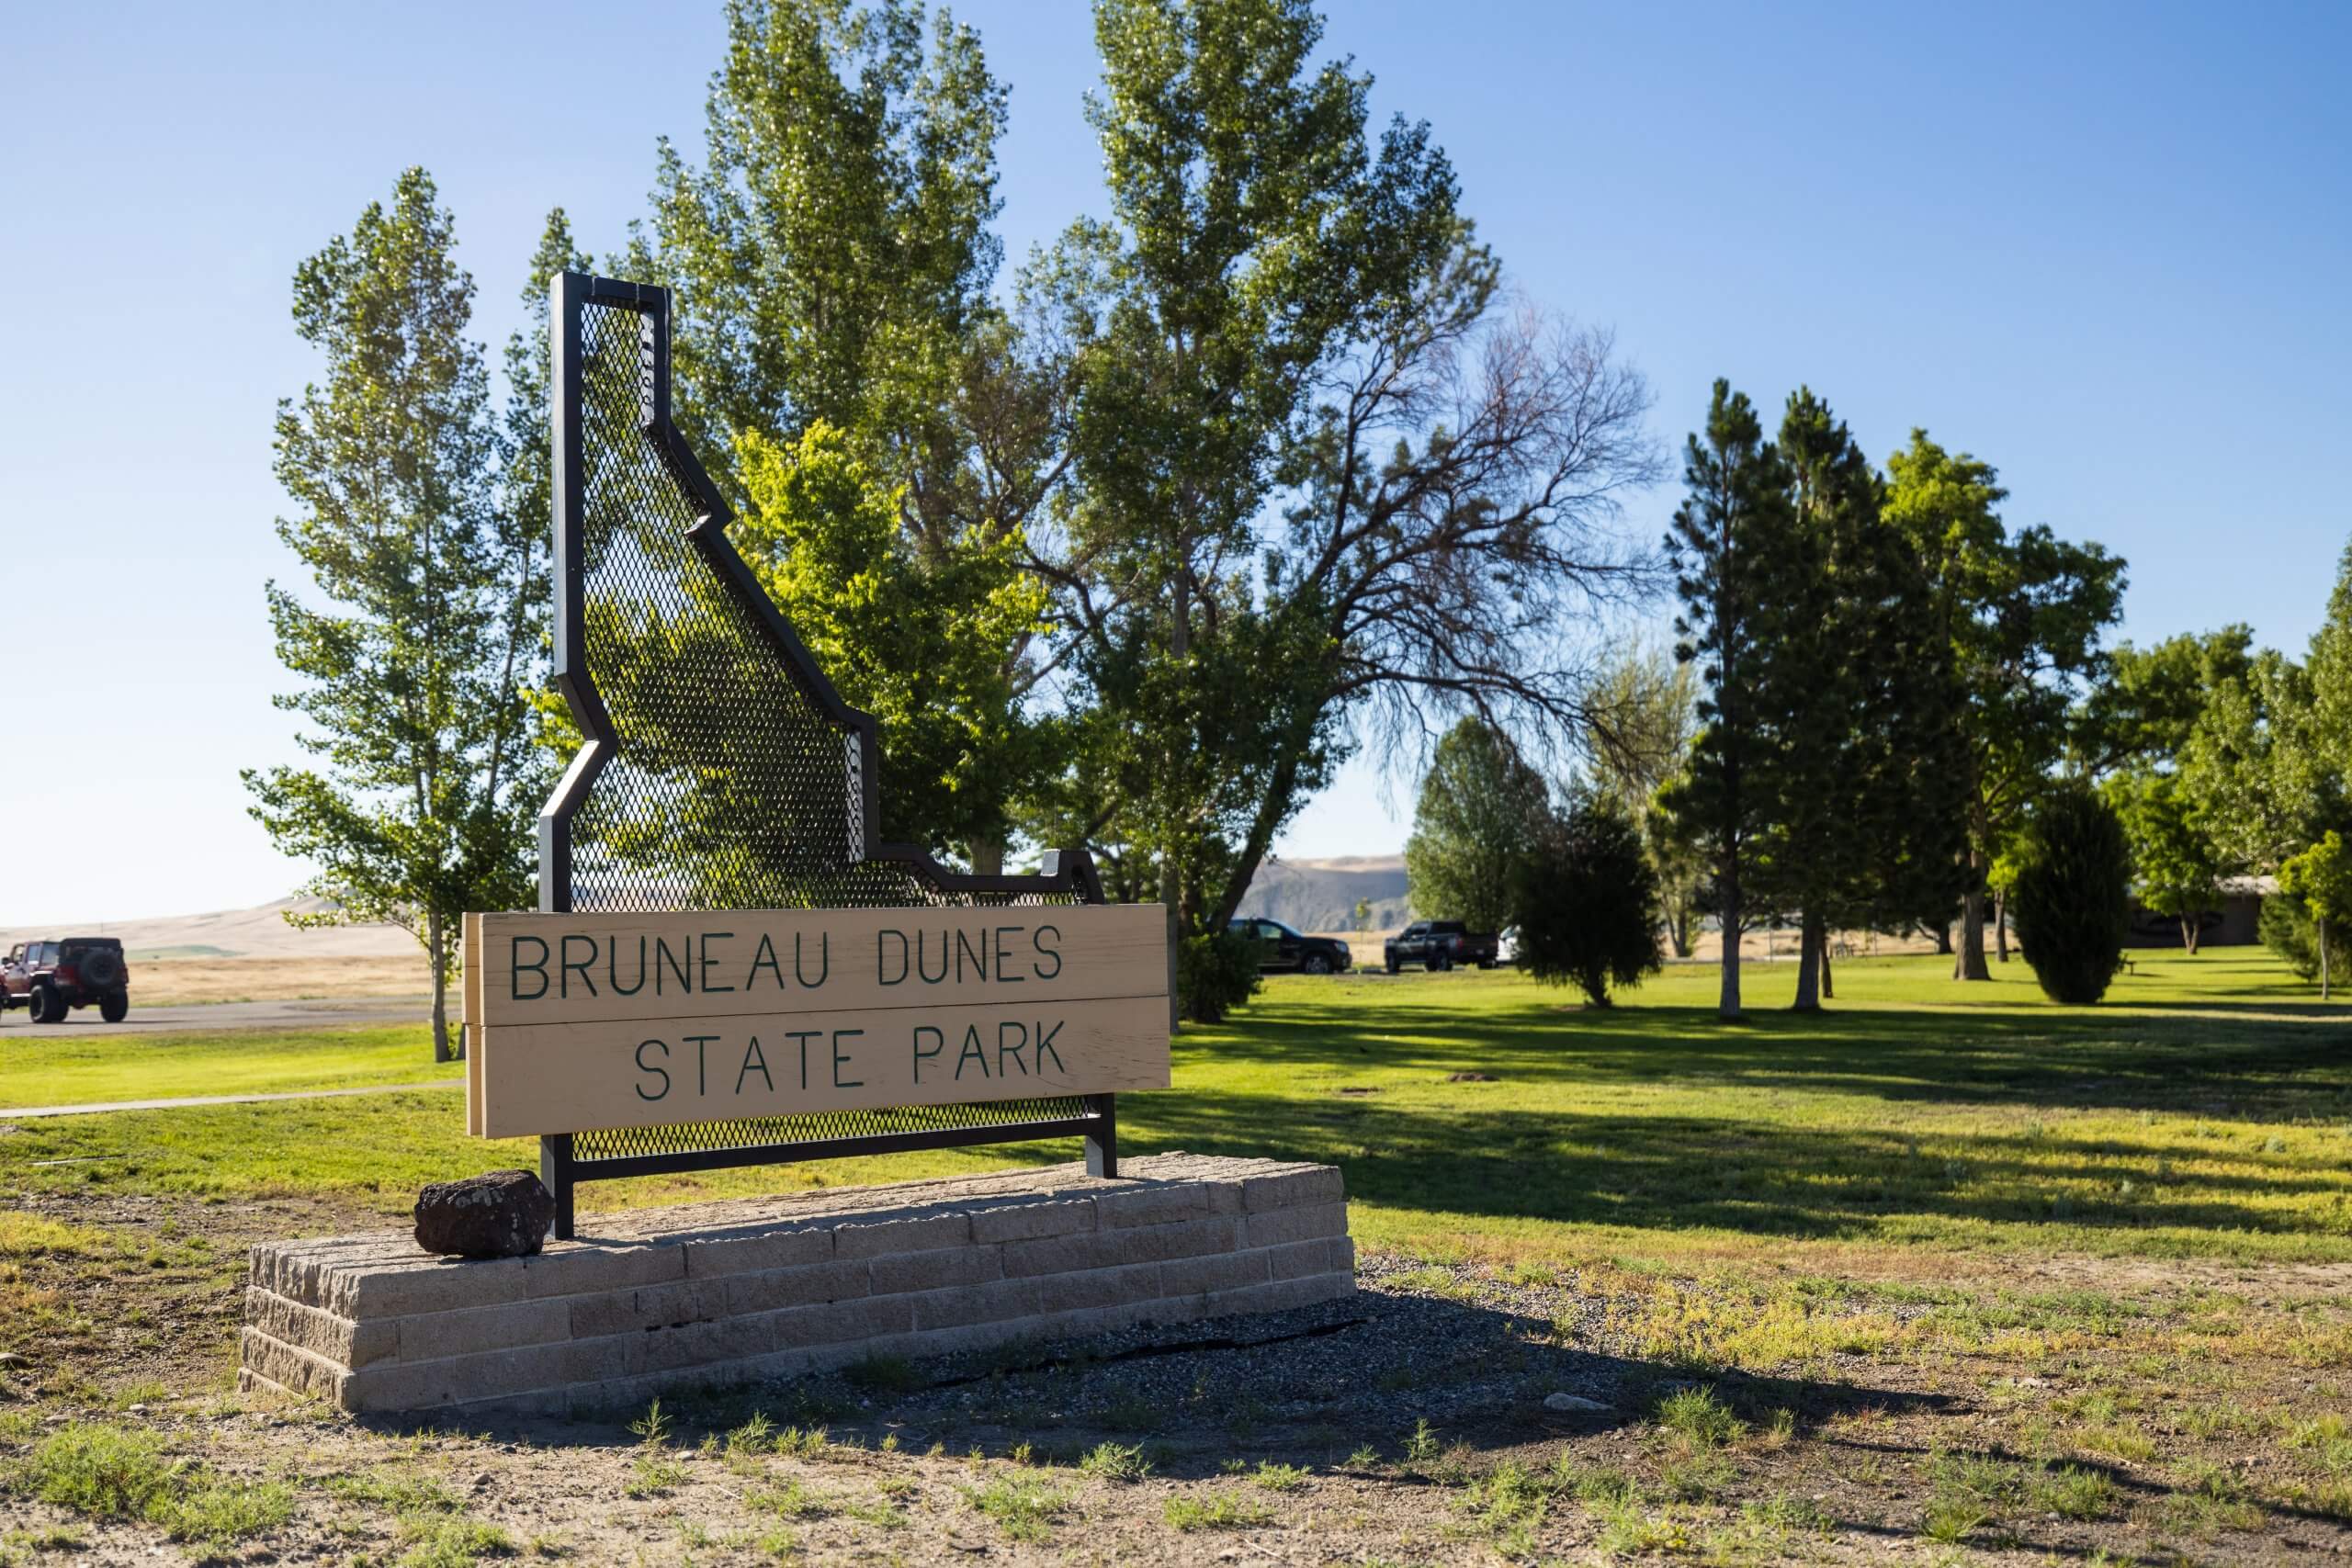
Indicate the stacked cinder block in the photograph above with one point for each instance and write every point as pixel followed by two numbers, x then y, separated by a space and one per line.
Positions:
pixel 766 1288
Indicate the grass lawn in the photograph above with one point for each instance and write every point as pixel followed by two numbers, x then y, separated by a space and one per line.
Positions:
pixel 2205 1110
pixel 54 1070
pixel 1944 1274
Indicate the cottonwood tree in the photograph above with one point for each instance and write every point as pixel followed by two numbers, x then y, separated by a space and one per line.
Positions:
pixel 1650 699
pixel 421 636
pixel 2023 615
pixel 832 260
pixel 1480 807
pixel 2321 879
pixel 2175 861
pixel 1329 483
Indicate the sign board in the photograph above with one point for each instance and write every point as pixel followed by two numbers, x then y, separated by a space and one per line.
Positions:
pixel 578 1021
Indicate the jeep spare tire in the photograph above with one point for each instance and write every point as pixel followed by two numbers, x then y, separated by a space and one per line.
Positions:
pixel 101 969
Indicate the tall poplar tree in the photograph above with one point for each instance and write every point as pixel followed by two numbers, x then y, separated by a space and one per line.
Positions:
pixel 417 646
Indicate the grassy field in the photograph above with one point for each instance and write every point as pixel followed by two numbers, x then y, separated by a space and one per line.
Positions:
pixel 64 1070
pixel 2206 1111
pixel 1945 1273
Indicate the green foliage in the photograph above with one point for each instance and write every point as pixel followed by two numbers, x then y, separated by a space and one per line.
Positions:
pixel 1320 486
pixel 832 253
pixel 428 621
pixel 1023 1506
pixel 2287 930
pixel 2072 895
pixel 1225 1510
pixel 1116 1462
pixel 915 637
pixel 1480 806
pixel 118 1472
pixel 1585 897
pixel 1852 692
pixel 2023 614
pixel 2174 859
pixel 1645 706
pixel 2321 880
pixel 1215 972
pixel 1728 540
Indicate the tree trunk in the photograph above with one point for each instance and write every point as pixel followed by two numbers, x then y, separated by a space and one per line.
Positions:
pixel 987 858
pixel 1828 986
pixel 437 955
pixel 1728 1006
pixel 1678 931
pixel 1969 965
pixel 2001 925
pixel 2189 924
pixel 2322 958
pixel 1943 939
pixel 1811 940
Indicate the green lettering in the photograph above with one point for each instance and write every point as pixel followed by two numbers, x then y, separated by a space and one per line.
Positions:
pixel 922 1030
pixel 662 956
pixel 1004 969
pixel 804 1036
pixel 1045 1048
pixel 1037 940
pixel 707 959
pixel 765 959
pixel 612 966
pixel 645 1066
pixel 563 986
pixel 882 962
pixel 839 1035
pixel 754 1057
pixel 1014 1050
pixel 971 1053
pixel 517 967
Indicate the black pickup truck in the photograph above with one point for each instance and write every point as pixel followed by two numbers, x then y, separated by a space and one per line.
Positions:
pixel 1438 945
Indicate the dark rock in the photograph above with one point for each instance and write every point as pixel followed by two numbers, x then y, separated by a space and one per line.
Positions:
pixel 504 1215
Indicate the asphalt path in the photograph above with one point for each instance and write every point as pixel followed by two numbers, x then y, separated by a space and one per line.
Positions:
pixel 17 1023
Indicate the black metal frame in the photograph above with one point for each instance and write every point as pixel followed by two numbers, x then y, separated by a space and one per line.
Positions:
pixel 1069 873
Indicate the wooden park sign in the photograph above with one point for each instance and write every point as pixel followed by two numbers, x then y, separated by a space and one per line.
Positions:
pixel 644 1021
pixel 729 965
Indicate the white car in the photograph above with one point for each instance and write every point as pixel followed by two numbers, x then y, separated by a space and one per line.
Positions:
pixel 1507 945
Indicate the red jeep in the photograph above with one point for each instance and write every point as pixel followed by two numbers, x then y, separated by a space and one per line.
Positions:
pixel 54 977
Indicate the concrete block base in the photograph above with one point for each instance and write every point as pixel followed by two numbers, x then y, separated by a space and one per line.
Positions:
pixel 763 1288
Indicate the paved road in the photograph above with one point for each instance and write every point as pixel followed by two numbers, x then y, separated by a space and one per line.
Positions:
pixel 25 1112
pixel 17 1023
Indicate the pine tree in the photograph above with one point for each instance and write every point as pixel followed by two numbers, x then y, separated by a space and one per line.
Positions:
pixel 1729 539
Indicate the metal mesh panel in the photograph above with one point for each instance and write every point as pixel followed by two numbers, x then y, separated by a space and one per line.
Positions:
pixel 733 787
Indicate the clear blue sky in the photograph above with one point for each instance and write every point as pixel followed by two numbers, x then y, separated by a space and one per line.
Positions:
pixel 2105 247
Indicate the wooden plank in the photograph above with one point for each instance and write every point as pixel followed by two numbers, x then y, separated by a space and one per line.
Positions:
pixel 566 1077
pixel 469 1006
pixel 542 969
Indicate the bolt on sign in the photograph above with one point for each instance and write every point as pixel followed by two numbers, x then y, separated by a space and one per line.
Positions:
pixel 653 1019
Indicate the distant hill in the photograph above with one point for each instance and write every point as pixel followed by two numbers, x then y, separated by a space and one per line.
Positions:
pixel 259 932
pixel 1321 895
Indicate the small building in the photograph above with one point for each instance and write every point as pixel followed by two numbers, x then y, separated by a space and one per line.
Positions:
pixel 2234 924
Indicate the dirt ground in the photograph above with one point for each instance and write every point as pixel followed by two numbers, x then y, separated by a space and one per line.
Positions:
pixel 178 982
pixel 2068 1410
